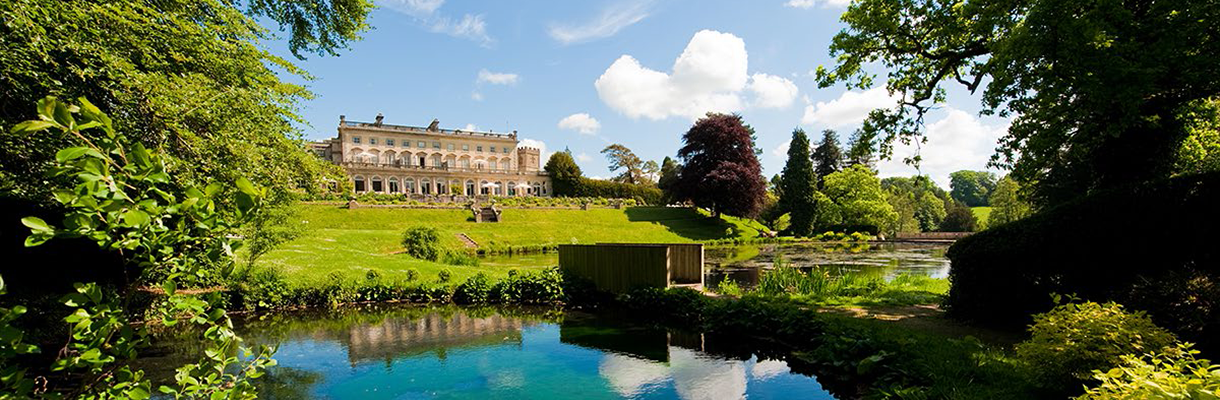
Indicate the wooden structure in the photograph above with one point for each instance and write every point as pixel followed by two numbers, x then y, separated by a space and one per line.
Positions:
pixel 485 214
pixel 619 267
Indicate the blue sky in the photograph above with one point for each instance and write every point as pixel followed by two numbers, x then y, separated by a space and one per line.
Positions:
pixel 584 74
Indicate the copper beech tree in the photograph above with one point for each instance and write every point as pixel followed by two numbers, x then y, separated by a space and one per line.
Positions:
pixel 720 169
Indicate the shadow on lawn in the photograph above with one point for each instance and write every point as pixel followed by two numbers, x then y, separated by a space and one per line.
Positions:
pixel 685 222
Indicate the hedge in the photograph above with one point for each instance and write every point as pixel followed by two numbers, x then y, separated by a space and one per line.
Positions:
pixel 600 188
pixel 1150 247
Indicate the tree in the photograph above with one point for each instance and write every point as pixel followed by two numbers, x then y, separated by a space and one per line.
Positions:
pixel 903 204
pixel 929 211
pixel 797 186
pixel 668 178
pixel 856 193
pixel 861 149
pixel 622 158
pixel 565 174
pixel 720 169
pixel 971 187
pixel 1007 204
pixel 958 218
pixel 651 172
pixel 1098 91
pixel 827 157
pixel 191 77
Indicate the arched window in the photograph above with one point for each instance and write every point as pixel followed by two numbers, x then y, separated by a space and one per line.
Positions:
pixel 440 186
pixel 492 165
pixel 484 188
pixel 425 186
pixel 394 185
pixel 499 188
pixel 512 188
pixel 358 184
pixel 409 183
pixel 377 187
pixel 537 188
pixel 436 160
pixel 470 187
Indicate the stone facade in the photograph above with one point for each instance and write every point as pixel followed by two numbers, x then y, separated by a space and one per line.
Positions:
pixel 434 162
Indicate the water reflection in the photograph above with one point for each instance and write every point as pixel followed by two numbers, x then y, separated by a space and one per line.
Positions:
pixel 450 352
pixel 745 263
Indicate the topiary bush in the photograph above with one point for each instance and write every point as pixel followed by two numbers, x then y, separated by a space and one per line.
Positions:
pixel 1072 340
pixel 422 242
pixel 1097 248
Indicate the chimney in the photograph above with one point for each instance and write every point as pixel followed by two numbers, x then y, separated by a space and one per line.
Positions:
pixel 379 118
pixel 342 119
pixel 435 125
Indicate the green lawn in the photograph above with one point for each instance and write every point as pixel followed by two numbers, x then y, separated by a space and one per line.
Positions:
pixel 355 241
pixel 981 213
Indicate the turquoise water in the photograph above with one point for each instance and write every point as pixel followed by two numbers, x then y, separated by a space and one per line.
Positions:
pixel 454 353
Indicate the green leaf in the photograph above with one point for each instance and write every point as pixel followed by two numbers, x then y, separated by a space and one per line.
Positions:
pixel 138 394
pixel 247 187
pixel 135 217
pixel 70 153
pixel 46 108
pixel 63 116
pixel 31 127
pixel 37 225
pixel 170 287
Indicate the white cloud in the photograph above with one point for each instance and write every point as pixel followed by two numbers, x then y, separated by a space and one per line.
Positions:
pixel 476 96
pixel 584 157
pixel 772 91
pixel 415 8
pixel 781 151
pixel 497 78
pixel 543 153
pixel 709 76
pixel 849 109
pixel 807 4
pixel 580 122
pixel 956 142
pixel 470 127
pixel 606 24
pixel 469 27
pixel 425 14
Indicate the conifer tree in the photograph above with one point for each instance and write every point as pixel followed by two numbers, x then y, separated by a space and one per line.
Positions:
pixel 797 186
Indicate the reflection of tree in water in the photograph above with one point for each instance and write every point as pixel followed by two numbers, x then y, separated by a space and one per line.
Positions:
pixel 287 383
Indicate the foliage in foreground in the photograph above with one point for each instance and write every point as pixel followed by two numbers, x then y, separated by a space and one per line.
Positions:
pixel 1173 374
pixel 1071 341
pixel 170 234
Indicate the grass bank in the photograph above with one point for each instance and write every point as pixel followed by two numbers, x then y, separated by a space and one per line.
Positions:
pixel 352 242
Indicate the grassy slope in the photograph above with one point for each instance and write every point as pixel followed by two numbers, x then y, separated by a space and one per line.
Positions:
pixel 355 241
pixel 981 213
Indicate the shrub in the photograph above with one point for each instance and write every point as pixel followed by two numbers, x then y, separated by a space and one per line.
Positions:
pixel 372 275
pixel 1173 374
pixel 542 287
pixel 412 274
pixel 422 242
pixel 729 287
pixel 476 290
pixel 1095 247
pixel 443 276
pixel 460 258
pixel 606 189
pixel 1067 343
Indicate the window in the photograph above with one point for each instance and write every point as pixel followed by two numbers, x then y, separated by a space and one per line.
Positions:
pixel 480 149
pixel 389 142
pixel 436 145
pixel 450 146
pixel 492 164
pixel 505 149
pixel 372 140
pixel 465 147
pixel 356 139
pixel 492 149
pixel 422 145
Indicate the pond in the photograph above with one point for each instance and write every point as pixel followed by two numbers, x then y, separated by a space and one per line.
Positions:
pixel 745 263
pixel 449 352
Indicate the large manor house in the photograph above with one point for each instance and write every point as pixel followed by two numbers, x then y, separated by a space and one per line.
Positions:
pixel 432 163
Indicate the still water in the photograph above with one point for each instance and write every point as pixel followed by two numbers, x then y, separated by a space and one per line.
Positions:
pixel 447 352
pixel 746 263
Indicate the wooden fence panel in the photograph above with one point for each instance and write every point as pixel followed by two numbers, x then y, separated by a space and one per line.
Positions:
pixel 616 268
pixel 686 263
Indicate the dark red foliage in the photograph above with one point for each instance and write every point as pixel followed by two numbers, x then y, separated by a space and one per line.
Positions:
pixel 720 170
